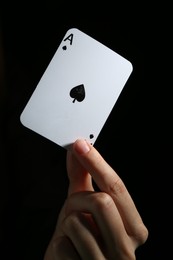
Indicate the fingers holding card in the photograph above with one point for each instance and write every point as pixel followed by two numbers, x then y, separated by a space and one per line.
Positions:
pixel 77 91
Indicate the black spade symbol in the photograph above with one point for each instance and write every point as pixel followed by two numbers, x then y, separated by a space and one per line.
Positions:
pixel 91 136
pixel 64 48
pixel 78 93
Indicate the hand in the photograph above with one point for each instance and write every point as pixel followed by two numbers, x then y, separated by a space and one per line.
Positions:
pixel 93 224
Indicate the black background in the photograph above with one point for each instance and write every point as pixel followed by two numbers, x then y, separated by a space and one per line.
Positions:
pixel 136 139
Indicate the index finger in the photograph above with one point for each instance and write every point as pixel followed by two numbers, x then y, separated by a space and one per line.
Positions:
pixel 108 181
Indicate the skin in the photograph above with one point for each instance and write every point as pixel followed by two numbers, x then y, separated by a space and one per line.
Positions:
pixel 93 224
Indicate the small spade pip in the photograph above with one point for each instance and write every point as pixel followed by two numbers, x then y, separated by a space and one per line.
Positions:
pixel 78 93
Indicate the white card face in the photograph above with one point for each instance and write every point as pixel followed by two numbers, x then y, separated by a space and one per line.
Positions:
pixel 77 91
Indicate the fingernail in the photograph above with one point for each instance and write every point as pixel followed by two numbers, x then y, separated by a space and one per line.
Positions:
pixel 81 146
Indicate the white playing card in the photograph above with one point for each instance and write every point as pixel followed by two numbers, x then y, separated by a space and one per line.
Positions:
pixel 77 91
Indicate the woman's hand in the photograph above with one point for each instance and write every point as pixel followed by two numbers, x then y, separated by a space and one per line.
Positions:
pixel 95 225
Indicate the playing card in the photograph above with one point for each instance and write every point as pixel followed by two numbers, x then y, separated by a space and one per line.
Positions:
pixel 77 91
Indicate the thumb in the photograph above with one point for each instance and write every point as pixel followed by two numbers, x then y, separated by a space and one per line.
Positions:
pixel 79 178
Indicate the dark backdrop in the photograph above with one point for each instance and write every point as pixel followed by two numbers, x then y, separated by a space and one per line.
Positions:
pixel 136 139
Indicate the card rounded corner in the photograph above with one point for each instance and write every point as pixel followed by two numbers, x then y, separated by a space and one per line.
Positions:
pixel 131 66
pixel 72 29
pixel 21 119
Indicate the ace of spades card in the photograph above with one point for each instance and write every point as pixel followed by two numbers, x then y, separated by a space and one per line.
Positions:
pixel 77 91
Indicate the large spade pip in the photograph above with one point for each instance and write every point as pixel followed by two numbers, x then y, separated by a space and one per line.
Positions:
pixel 78 93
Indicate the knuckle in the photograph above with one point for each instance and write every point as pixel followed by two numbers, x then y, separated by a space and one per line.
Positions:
pixel 102 201
pixel 71 221
pixel 117 187
pixel 141 234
